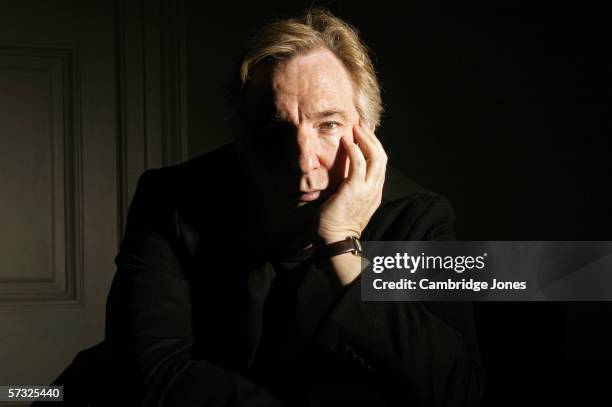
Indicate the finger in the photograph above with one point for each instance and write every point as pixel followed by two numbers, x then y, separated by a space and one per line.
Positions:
pixel 357 162
pixel 375 161
pixel 370 133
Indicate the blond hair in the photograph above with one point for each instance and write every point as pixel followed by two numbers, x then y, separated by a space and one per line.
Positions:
pixel 319 28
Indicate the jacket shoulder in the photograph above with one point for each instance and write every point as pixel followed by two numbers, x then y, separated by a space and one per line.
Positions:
pixel 200 175
pixel 409 211
pixel 163 195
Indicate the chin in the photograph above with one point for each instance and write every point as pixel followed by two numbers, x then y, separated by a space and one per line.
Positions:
pixel 303 204
pixel 308 207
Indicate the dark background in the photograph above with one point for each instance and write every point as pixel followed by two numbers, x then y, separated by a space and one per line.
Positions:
pixel 505 110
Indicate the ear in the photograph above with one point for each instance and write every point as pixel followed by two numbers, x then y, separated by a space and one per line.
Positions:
pixel 364 123
pixel 370 126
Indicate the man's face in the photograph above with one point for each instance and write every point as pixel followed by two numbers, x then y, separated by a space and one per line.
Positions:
pixel 297 111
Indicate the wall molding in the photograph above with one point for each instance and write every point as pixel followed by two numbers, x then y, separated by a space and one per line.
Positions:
pixel 64 284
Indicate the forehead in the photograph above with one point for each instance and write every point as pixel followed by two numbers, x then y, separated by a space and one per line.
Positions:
pixel 311 82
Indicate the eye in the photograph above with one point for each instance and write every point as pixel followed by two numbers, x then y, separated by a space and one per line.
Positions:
pixel 329 127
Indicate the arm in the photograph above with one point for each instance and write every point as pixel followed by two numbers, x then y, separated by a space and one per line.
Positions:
pixel 414 352
pixel 149 326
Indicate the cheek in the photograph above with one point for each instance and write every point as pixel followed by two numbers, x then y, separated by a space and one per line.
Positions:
pixel 333 157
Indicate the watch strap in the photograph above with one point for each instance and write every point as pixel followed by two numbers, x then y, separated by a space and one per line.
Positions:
pixel 349 245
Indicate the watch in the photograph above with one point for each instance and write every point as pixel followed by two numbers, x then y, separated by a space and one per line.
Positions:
pixel 349 245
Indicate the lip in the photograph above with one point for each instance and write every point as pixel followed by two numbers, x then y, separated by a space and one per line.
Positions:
pixel 309 196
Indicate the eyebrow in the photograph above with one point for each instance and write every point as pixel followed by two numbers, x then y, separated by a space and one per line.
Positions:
pixel 317 115
pixel 331 112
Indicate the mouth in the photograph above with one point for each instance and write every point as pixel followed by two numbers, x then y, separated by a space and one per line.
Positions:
pixel 309 196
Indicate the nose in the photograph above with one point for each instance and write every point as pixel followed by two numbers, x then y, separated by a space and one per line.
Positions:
pixel 307 158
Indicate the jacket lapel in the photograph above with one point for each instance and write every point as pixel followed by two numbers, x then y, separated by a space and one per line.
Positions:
pixel 259 282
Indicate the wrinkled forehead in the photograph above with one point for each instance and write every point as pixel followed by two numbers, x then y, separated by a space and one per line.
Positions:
pixel 316 81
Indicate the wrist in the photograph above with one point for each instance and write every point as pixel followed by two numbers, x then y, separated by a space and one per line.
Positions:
pixel 343 253
pixel 350 245
pixel 346 267
pixel 329 238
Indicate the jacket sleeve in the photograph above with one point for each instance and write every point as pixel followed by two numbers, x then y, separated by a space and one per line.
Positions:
pixel 149 326
pixel 409 353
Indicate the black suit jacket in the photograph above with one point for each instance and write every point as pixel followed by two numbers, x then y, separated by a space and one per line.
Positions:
pixel 190 320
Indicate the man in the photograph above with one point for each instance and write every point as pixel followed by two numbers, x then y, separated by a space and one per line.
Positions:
pixel 237 280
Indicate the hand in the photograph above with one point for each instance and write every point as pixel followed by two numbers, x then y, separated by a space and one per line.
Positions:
pixel 348 211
